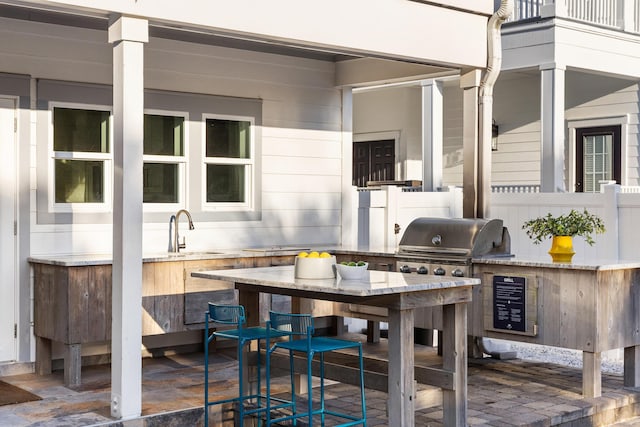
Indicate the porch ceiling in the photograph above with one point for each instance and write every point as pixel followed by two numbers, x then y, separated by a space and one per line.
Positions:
pixel 354 67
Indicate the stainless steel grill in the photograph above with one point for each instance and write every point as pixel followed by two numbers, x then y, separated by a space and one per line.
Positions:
pixel 446 246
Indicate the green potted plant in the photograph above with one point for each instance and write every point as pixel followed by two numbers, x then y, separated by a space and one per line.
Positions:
pixel 562 229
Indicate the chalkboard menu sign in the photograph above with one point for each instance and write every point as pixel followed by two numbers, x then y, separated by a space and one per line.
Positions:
pixel 509 295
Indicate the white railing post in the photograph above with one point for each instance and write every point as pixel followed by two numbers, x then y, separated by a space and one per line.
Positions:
pixel 626 15
pixel 551 8
pixel 391 215
pixel 377 209
pixel 611 220
pixel 455 202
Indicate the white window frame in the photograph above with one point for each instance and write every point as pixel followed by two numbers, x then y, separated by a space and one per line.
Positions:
pixel 249 167
pixel 107 158
pixel 622 121
pixel 181 161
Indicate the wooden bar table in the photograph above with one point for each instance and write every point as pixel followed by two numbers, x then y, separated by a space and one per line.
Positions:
pixel 400 294
pixel 586 306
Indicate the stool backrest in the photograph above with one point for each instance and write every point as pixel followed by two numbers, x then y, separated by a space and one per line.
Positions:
pixel 227 314
pixel 292 324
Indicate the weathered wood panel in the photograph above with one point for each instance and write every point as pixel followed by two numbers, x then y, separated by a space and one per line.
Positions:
pixel 591 310
pixel 198 292
pixel 162 298
pixel 49 308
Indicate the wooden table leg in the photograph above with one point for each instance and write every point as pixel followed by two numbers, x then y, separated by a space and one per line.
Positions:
pixel 591 374
pixel 454 359
pixel 373 331
pixel 632 366
pixel 43 356
pixel 250 300
pixel 72 364
pixel 401 387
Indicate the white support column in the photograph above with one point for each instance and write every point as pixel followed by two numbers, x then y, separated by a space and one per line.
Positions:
pixel 432 134
pixel 552 128
pixel 128 36
pixel 349 205
pixel 470 83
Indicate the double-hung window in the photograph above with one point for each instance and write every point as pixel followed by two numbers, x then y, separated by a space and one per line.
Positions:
pixel 164 159
pixel 81 158
pixel 229 162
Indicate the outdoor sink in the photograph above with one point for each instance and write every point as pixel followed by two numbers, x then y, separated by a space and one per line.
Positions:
pixel 194 253
pixel 278 249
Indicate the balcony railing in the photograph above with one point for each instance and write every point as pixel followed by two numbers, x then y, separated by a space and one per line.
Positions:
pixel 618 14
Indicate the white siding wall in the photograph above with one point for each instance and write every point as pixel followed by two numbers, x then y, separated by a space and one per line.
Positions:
pixel 597 97
pixel 587 97
pixel 301 140
pixel 399 109
pixel 390 110
pixel 516 111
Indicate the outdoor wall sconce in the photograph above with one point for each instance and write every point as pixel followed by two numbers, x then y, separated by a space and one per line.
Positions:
pixel 494 136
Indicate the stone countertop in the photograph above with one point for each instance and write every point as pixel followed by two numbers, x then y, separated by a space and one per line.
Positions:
pixel 373 283
pixel 189 255
pixel 547 263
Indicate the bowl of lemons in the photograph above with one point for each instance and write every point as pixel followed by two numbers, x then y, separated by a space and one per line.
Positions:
pixel 315 265
pixel 352 270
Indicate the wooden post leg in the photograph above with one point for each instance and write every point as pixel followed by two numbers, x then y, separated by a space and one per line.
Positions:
pixel 72 364
pixel 251 302
pixel 339 322
pixel 373 331
pixel 591 374
pixel 454 354
pixel 632 366
pixel 401 387
pixel 43 356
pixel 300 305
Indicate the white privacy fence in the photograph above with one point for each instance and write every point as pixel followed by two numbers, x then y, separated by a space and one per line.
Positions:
pixel 380 211
pixel 384 214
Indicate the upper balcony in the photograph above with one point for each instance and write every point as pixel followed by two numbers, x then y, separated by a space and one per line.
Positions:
pixel 621 15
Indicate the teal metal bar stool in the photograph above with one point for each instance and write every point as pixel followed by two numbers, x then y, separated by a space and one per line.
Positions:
pixel 299 328
pixel 235 315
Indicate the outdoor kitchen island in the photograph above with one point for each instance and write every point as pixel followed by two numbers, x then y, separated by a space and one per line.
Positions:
pixel 401 294
pixel 591 307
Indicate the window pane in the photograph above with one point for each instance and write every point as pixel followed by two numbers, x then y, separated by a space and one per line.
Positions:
pixel 228 138
pixel 160 183
pixel 79 181
pixel 163 135
pixel 80 130
pixel 225 183
pixel 598 161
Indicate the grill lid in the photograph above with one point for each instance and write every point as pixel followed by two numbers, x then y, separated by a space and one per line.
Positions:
pixel 455 237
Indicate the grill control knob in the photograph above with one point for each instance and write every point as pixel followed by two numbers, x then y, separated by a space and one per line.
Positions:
pixel 457 273
pixel 439 271
pixel 405 269
pixel 422 270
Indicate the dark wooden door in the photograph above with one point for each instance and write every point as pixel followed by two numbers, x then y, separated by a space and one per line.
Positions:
pixel 373 161
pixel 598 157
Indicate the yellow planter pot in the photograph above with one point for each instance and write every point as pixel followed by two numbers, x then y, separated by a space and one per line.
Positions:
pixel 562 249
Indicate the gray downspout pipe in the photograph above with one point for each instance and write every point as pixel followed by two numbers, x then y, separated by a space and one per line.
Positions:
pixel 495 349
pixel 485 100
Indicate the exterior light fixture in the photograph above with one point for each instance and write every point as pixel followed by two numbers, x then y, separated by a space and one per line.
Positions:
pixel 494 136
